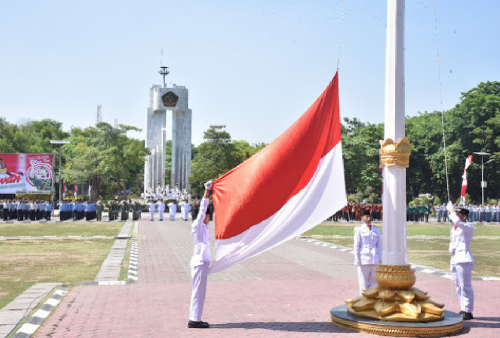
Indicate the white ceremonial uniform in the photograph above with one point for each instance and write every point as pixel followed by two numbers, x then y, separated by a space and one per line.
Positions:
pixel 367 254
pixel 172 209
pixel 152 210
pixel 462 262
pixel 161 209
pixel 185 211
pixel 199 263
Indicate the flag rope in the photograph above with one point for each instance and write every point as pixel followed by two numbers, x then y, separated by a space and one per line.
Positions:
pixel 441 101
pixel 340 38
pixel 452 283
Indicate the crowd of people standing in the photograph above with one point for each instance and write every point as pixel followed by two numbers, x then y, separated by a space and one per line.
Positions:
pixel 353 212
pixel 21 210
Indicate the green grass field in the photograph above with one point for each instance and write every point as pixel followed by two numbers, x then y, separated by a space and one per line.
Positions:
pixel 412 229
pixel 61 229
pixel 24 263
pixel 429 251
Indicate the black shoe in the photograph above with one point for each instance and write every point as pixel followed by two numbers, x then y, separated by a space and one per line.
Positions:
pixel 197 325
pixel 467 316
pixel 461 312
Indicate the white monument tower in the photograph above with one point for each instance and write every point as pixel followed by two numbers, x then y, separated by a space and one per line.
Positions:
pixel 162 99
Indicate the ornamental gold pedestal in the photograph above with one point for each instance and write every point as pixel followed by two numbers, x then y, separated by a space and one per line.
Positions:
pixel 396 308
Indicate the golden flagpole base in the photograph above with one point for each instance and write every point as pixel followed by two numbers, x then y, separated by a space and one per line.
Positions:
pixel 395 300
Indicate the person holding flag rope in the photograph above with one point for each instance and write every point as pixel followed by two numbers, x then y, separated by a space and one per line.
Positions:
pixel 200 262
pixel 462 261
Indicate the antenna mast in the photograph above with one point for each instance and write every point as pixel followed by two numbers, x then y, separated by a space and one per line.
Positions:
pixel 99 115
pixel 164 72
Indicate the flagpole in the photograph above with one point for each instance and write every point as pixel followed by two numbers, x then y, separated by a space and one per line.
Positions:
pixel 394 196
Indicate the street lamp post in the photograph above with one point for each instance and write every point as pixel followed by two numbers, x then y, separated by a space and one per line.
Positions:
pixel 483 183
pixel 60 143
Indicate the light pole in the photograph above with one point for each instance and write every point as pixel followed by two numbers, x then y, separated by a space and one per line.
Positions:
pixel 60 143
pixel 483 183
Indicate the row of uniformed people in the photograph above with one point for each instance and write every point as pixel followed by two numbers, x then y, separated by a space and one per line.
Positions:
pixel 123 210
pixel 416 213
pixel 77 210
pixel 90 210
pixel 171 208
pixel 489 213
pixel 23 210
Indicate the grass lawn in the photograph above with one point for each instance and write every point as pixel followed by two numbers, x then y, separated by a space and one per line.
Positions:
pixel 412 229
pixel 61 229
pixel 430 252
pixel 24 263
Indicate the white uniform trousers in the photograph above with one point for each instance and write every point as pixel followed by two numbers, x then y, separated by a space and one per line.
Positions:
pixel 160 215
pixel 462 276
pixel 172 216
pixel 199 290
pixel 366 276
pixel 152 212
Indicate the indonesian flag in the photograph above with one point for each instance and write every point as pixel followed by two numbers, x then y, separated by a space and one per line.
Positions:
pixel 76 190
pixel 288 187
pixel 64 190
pixel 468 162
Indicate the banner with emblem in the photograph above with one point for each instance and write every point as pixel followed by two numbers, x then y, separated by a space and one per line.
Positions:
pixel 26 173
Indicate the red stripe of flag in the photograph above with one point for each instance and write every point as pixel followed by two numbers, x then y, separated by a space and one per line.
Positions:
pixel 262 185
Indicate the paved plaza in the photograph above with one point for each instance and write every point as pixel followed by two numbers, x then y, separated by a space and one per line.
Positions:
pixel 285 292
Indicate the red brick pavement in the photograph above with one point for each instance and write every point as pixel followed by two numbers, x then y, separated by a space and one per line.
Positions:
pixel 273 295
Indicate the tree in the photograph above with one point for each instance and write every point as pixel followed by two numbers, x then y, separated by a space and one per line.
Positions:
pixel 360 148
pixel 216 156
pixel 105 155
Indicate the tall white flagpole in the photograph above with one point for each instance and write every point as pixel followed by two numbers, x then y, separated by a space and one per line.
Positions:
pixel 394 191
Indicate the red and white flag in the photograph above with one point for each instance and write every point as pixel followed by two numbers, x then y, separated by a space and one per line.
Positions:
pixel 76 190
pixel 64 190
pixel 468 162
pixel 288 187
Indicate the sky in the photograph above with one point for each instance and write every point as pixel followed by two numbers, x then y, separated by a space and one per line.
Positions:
pixel 254 66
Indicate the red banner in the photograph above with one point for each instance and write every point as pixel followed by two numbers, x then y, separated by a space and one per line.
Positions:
pixel 26 173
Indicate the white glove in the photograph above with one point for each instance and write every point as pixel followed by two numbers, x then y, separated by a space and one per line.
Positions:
pixel 449 207
pixel 208 185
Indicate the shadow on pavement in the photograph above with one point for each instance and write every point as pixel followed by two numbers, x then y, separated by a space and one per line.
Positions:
pixel 489 322
pixel 285 326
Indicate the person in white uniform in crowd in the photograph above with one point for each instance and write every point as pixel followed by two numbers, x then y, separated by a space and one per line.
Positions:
pixel 367 251
pixel 161 209
pixel 172 209
pixel 152 208
pixel 185 210
pixel 462 262
pixel 200 262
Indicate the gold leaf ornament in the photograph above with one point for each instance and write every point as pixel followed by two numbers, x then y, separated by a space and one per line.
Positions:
pixel 392 153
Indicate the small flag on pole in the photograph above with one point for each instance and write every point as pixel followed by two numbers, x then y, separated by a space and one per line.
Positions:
pixel 64 190
pixel 468 162
pixel 90 189
pixel 76 190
